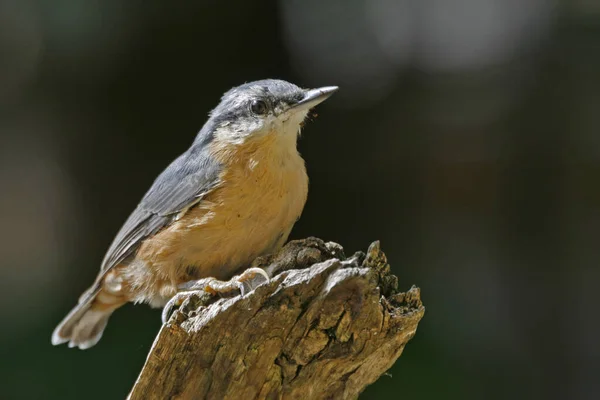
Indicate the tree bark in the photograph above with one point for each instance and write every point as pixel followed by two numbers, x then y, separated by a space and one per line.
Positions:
pixel 325 326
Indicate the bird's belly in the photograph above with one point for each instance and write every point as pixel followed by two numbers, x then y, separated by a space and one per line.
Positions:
pixel 231 234
pixel 224 233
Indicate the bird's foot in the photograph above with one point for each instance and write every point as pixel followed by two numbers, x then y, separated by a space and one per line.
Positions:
pixel 177 301
pixel 239 282
pixel 245 283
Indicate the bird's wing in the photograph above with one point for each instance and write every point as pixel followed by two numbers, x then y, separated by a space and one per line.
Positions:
pixel 184 183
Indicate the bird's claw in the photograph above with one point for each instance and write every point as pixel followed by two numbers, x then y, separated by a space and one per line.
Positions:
pixel 175 301
pixel 213 287
pixel 238 282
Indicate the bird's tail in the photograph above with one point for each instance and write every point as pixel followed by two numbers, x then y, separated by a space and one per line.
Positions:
pixel 84 325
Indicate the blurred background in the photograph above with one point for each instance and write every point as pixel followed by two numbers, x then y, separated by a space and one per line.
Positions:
pixel 465 136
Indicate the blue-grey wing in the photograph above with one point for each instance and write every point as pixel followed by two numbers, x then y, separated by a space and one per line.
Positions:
pixel 183 184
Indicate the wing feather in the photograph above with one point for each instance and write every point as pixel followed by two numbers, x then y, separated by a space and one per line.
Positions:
pixel 183 183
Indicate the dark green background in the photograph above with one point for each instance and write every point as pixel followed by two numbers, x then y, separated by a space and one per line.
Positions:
pixel 480 180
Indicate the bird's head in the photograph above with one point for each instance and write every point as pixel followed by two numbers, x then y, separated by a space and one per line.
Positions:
pixel 262 108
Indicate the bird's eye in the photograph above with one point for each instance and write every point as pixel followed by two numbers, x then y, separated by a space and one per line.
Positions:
pixel 259 107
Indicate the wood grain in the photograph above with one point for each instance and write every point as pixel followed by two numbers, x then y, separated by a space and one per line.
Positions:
pixel 326 326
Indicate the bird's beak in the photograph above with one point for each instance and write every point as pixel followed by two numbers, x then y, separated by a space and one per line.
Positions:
pixel 312 97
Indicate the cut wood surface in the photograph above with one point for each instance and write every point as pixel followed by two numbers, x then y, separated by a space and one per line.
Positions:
pixel 325 326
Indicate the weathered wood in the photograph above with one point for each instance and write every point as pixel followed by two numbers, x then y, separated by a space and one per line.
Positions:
pixel 325 326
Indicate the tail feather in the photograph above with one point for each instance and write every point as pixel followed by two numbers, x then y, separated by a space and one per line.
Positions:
pixel 84 325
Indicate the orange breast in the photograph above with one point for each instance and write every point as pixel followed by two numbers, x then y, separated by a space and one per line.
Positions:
pixel 262 193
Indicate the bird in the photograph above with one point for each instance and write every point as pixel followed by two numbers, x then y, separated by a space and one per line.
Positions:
pixel 232 196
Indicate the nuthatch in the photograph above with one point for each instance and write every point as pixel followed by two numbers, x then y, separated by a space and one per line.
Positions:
pixel 234 195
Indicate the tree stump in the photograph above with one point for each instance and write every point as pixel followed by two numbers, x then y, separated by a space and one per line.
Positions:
pixel 325 326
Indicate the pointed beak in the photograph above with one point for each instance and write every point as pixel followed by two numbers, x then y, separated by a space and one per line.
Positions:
pixel 312 97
